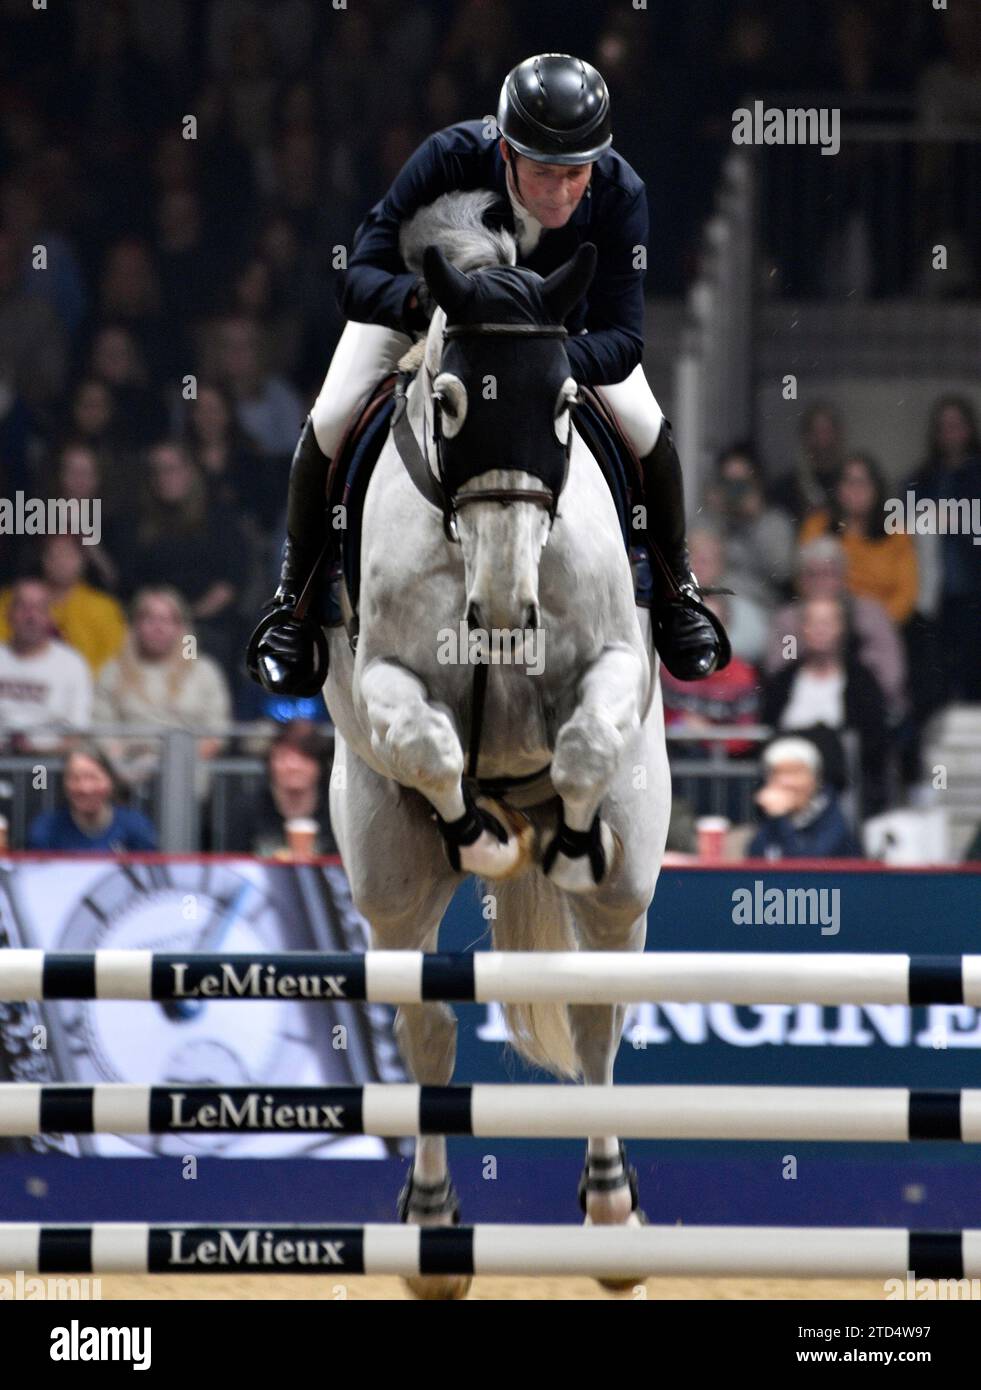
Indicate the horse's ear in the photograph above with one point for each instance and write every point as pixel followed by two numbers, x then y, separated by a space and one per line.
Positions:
pixel 567 285
pixel 449 287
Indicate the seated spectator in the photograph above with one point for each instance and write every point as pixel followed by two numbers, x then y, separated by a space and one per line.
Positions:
pixel 93 417
pixel 91 820
pixel 159 678
pixel 830 688
pixel 90 621
pixel 759 539
pixel 821 574
pixel 880 566
pixel 129 294
pixel 255 295
pixel 186 542
pixel 191 264
pixel 746 620
pixel 42 681
pixel 33 340
pixel 809 485
pixel 724 698
pixel 948 641
pixel 78 477
pixel 298 778
pixel 801 815
pixel 237 478
pixel 116 360
pixel 266 407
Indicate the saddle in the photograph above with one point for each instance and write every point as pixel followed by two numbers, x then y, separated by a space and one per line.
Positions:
pixel 361 444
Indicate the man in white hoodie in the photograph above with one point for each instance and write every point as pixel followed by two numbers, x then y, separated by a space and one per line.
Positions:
pixel 45 686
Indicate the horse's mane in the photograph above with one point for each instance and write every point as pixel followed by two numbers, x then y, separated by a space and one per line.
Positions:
pixel 455 223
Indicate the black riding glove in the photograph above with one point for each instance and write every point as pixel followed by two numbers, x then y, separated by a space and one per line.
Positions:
pixel 417 311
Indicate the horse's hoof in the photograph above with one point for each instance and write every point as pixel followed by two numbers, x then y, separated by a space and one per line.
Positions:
pixel 490 858
pixel 442 1287
pixel 428 1205
pixel 576 874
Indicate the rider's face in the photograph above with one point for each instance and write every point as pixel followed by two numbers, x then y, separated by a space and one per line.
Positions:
pixel 550 192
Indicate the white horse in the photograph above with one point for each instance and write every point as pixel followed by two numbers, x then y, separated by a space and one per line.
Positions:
pixel 585 712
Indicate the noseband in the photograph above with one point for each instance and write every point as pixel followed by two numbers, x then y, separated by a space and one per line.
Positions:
pixel 450 503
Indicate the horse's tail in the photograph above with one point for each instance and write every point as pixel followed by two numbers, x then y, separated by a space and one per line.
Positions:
pixel 533 915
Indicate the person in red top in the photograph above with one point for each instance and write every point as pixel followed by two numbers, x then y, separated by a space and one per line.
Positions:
pixel 729 696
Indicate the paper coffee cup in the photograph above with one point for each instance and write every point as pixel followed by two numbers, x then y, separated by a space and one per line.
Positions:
pixel 301 835
pixel 711 833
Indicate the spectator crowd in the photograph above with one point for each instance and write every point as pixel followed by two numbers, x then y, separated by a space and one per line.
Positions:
pixel 176 180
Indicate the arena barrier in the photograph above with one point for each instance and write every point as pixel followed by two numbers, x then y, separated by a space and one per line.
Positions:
pixel 595 1251
pixel 573 977
pixel 819 1113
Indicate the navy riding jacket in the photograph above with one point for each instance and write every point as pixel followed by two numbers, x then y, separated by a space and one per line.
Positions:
pixel 612 213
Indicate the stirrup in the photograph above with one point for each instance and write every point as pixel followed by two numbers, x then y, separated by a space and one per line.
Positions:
pixel 255 660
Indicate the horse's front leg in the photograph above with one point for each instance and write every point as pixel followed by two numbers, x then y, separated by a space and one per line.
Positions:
pixel 418 744
pixel 588 751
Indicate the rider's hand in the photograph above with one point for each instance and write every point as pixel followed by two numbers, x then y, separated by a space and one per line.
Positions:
pixel 774 800
pixel 417 309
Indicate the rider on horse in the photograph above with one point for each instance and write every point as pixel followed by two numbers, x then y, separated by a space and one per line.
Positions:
pixel 550 157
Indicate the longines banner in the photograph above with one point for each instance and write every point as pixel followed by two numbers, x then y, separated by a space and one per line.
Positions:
pixel 231 906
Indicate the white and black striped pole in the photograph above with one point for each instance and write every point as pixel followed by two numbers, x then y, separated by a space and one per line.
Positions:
pixel 572 977
pixel 856 1114
pixel 595 1251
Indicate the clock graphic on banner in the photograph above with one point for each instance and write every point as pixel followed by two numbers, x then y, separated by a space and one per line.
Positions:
pixel 211 907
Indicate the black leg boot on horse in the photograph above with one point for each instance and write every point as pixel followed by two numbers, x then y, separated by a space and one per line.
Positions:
pixel 287 652
pixel 688 636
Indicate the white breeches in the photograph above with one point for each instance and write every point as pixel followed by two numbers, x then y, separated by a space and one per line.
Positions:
pixel 368 351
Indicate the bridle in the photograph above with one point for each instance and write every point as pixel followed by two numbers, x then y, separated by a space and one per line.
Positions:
pixel 449 502
pixel 434 488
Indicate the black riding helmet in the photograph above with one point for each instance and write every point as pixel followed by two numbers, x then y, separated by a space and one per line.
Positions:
pixel 555 109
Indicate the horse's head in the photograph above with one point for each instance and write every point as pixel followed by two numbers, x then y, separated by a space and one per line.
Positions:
pixel 502 397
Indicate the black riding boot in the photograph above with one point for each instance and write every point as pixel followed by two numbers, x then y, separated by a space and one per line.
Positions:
pixel 287 653
pixel 690 639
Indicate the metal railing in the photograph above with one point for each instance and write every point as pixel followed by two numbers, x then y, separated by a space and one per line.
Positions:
pixel 182 807
pixel 178 791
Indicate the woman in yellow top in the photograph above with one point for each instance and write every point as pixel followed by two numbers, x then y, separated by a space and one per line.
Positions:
pixel 880 566
pixel 87 619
